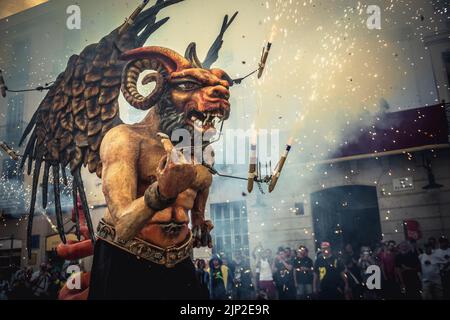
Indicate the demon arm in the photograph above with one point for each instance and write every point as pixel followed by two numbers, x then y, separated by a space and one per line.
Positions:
pixel 119 158
pixel 119 154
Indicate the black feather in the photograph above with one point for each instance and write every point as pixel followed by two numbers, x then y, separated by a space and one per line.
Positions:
pixel 153 11
pixel 29 127
pixel 28 151
pixel 33 156
pixel 213 52
pixel 45 185
pixel 87 215
pixel 64 176
pixel 75 208
pixel 149 30
pixel 148 17
pixel 58 211
pixel 30 165
pixel 37 170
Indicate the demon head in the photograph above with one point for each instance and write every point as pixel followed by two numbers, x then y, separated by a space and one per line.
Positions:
pixel 186 95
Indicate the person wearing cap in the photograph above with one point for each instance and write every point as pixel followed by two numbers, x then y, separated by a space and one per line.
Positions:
pixel 330 281
pixel 303 270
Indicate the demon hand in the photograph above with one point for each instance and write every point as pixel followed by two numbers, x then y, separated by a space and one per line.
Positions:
pixel 201 233
pixel 174 174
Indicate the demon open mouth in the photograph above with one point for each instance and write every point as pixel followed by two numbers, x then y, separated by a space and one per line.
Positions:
pixel 204 121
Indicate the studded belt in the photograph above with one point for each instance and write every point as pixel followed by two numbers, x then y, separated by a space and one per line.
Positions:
pixel 168 257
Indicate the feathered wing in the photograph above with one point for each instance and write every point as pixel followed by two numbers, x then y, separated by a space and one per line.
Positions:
pixel 80 107
pixel 213 52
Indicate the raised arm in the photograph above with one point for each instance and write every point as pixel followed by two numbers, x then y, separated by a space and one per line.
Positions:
pixel 119 158
pixel 120 152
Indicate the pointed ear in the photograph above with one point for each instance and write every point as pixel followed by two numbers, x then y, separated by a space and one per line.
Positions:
pixel 191 55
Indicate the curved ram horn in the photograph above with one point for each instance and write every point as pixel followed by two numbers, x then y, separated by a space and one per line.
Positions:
pixel 162 60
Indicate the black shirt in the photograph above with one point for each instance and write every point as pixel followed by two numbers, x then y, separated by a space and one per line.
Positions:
pixel 283 276
pixel 329 271
pixel 243 276
pixel 409 260
pixel 303 277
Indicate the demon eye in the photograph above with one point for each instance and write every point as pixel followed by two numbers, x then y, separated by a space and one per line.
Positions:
pixel 188 86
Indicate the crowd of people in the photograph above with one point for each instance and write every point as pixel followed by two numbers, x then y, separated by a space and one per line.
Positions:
pixel 42 284
pixel 405 272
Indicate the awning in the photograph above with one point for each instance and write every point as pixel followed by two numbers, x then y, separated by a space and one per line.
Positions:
pixel 398 132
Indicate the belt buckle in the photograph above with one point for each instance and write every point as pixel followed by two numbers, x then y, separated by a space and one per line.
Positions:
pixel 171 257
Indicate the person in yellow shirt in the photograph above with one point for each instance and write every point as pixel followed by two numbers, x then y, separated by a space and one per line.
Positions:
pixel 220 279
pixel 330 281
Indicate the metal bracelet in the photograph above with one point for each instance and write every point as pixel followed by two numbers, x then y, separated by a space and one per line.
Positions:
pixel 154 200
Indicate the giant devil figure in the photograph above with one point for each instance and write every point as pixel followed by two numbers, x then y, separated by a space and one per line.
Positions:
pixel 143 243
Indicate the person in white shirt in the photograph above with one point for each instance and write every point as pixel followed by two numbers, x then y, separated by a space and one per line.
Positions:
pixel 431 277
pixel 264 274
pixel 443 256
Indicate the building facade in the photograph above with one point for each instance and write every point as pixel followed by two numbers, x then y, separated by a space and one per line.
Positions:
pixel 361 199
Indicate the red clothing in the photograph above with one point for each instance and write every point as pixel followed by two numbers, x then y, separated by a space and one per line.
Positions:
pixel 387 260
pixel 269 288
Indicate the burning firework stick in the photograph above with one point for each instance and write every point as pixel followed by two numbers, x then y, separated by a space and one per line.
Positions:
pixel 13 154
pixel 264 57
pixel 252 168
pixel 277 172
pixel 9 151
pixel 129 22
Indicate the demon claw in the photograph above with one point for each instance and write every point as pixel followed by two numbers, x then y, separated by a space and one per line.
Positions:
pixel 201 234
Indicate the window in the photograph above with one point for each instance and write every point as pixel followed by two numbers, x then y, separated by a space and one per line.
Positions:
pixel 299 209
pixel 230 233
pixel 35 241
